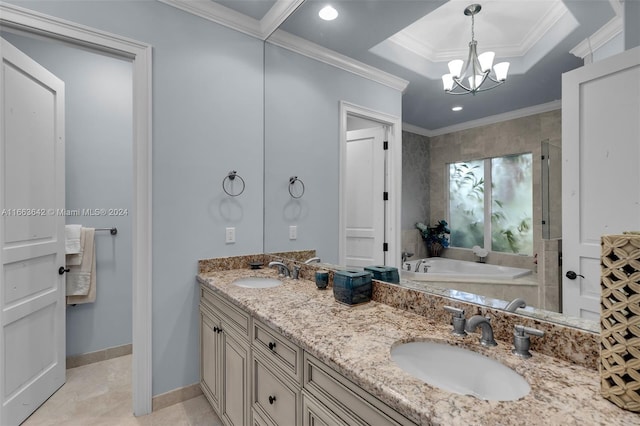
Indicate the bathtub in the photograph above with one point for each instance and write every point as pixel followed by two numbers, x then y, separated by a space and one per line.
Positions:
pixel 440 268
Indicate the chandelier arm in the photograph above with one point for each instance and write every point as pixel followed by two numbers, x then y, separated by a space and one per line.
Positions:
pixel 494 80
pixel 459 83
pixel 484 89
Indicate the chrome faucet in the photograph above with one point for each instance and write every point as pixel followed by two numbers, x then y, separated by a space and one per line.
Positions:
pixel 405 255
pixel 313 259
pixel 515 304
pixel 418 263
pixel 522 342
pixel 282 268
pixel 487 331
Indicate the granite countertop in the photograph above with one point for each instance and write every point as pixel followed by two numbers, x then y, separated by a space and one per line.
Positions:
pixel 356 341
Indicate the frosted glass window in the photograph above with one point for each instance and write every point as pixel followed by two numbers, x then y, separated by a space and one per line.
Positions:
pixel 466 203
pixel 499 188
pixel 512 204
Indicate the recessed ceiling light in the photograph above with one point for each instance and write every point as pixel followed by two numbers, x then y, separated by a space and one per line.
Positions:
pixel 328 13
pixel 456 108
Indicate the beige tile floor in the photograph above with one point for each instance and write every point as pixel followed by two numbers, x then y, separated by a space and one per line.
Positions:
pixel 99 394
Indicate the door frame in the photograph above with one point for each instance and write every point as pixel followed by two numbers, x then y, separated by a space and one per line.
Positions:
pixel 393 178
pixel 29 22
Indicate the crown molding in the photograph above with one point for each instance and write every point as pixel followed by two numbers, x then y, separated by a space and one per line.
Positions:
pixel 605 34
pixel 511 115
pixel 314 51
pixel 278 13
pixel 421 47
pixel 219 14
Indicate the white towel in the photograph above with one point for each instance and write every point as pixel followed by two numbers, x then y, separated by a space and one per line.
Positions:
pixel 72 239
pixel 81 279
pixel 76 258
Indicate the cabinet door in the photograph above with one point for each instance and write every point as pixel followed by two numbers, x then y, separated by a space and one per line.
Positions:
pixel 210 377
pixel 235 385
pixel 315 414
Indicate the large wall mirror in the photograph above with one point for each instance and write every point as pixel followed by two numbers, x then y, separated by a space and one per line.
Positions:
pixel 303 130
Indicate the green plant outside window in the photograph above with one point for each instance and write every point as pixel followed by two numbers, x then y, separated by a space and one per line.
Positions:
pixel 509 203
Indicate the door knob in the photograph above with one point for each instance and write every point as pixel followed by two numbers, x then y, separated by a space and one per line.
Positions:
pixel 62 270
pixel 572 275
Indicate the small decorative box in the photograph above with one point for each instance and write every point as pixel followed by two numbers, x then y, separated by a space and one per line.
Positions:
pixel 352 287
pixel 384 273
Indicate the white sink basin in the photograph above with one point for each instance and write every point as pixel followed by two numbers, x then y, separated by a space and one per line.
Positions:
pixel 257 282
pixel 460 371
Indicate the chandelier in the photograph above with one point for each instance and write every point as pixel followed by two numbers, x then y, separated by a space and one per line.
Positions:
pixel 478 68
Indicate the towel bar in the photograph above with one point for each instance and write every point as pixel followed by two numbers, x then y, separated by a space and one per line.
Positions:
pixel 113 231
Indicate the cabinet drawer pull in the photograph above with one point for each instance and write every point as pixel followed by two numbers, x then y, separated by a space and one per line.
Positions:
pixel 272 345
pixel 216 329
pixel 272 399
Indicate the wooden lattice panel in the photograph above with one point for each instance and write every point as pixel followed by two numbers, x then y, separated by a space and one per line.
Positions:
pixel 620 320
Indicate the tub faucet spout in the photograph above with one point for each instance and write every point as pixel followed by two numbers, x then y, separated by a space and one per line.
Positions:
pixel 515 304
pixel 487 331
pixel 418 265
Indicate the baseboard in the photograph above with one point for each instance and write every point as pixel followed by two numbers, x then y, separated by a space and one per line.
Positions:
pixel 175 396
pixel 97 356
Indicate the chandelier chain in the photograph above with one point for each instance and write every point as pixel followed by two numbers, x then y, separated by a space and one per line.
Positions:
pixel 473 37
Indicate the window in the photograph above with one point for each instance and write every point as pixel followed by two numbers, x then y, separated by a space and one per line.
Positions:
pixel 498 188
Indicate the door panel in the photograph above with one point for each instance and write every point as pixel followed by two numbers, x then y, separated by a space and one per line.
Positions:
pixel 32 293
pixel 601 178
pixel 365 206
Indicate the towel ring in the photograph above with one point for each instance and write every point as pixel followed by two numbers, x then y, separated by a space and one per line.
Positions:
pixel 231 177
pixel 292 182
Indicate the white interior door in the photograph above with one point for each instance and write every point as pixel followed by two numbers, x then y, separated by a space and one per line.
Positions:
pixel 32 299
pixel 600 173
pixel 364 186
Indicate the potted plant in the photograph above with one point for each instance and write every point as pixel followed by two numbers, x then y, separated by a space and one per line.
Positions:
pixel 435 237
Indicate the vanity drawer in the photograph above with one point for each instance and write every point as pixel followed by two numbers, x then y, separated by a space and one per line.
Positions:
pixel 347 400
pixel 278 349
pixel 234 317
pixel 272 396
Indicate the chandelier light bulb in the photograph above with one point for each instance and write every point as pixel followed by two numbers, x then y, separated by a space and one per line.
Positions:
pixel 501 70
pixel 486 61
pixel 328 13
pixel 447 82
pixel 475 84
pixel 455 67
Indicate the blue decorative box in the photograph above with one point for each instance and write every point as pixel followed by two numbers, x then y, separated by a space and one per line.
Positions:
pixel 352 287
pixel 384 273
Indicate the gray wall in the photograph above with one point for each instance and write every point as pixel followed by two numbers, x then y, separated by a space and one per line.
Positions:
pixel 207 120
pixel 302 138
pixel 98 158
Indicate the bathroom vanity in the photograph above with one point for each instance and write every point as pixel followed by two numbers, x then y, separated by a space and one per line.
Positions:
pixel 291 355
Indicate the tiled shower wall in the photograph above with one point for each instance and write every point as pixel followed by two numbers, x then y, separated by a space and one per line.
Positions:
pixel 415 191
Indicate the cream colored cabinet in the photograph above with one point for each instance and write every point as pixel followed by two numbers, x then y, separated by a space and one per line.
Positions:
pixel 224 368
pixel 346 400
pixel 315 414
pixel 210 350
pixel 276 365
pixel 253 375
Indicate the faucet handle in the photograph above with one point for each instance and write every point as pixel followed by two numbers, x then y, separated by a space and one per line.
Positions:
pixel 296 271
pixel 520 330
pixel 521 340
pixel 457 313
pixel 458 320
